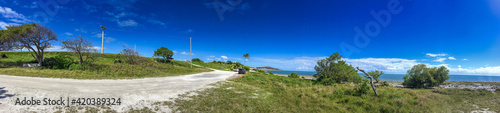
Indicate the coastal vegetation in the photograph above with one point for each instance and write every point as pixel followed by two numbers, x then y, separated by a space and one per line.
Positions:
pixel 293 75
pixel 260 92
pixel 335 70
pixel 420 76
pixel 332 92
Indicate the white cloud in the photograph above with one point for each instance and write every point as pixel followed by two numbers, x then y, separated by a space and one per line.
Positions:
pixel 32 5
pixel 223 57
pixel 435 55
pixel 439 59
pixel 452 58
pixel 11 17
pixel 9 13
pixel 128 22
pixel 3 25
pixel 69 34
pixel 106 39
pixel 465 59
pixel 81 30
pixel 156 22
pixel 185 53
pixel 211 56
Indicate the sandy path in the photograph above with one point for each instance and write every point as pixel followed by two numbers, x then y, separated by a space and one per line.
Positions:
pixel 134 93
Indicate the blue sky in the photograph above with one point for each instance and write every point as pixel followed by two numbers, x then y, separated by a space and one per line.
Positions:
pixel 462 35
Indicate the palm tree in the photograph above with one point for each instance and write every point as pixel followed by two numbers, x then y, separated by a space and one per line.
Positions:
pixel 246 57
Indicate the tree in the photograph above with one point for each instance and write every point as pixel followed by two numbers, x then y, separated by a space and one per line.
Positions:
pixel 294 75
pixel 81 48
pixel 229 62
pixel 419 76
pixel 334 70
pixel 6 43
pixel 246 57
pixel 371 81
pixel 131 56
pixel 35 37
pixel 164 52
pixel 375 74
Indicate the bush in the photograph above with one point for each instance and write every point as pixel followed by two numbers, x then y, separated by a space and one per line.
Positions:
pixel 3 55
pixel 294 75
pixel 385 83
pixel 334 70
pixel 247 68
pixel 375 74
pixel 363 89
pixel 131 56
pixel 60 61
pixel 76 67
pixel 197 60
pixel 271 73
pixel 260 71
pixel 419 76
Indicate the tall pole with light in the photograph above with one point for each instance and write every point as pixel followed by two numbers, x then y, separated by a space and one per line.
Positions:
pixel 102 46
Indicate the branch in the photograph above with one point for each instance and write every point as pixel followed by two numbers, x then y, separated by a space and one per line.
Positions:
pixel 371 80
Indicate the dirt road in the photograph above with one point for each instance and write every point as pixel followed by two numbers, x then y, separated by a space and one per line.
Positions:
pixel 134 93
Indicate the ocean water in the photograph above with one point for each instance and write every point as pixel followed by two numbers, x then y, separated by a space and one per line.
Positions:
pixel 399 77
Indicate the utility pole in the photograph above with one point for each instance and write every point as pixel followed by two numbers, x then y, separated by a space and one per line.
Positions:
pixel 191 52
pixel 102 46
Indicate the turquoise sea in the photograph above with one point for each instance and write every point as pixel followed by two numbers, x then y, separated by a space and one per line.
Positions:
pixel 399 77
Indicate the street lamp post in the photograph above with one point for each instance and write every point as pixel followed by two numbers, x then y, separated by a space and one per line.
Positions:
pixel 102 46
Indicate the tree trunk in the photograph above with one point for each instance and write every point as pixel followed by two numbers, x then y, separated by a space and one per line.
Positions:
pixel 371 81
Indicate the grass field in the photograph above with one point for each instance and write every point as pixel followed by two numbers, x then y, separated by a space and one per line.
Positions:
pixel 258 92
pixel 218 66
pixel 102 67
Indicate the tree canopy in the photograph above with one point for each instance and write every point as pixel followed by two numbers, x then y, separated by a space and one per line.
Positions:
pixel 35 37
pixel 420 76
pixel 375 74
pixel 80 46
pixel 334 70
pixel 164 53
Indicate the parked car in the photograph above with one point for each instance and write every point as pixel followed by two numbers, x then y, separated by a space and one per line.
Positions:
pixel 241 71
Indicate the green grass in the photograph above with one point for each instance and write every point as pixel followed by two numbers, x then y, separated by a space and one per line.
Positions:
pixel 103 67
pixel 258 92
pixel 218 66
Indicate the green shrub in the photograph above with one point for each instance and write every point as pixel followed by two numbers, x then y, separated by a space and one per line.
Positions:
pixel 375 74
pixel 3 55
pixel 76 67
pixel 419 76
pixel 271 73
pixel 260 71
pixel 60 61
pixel 197 60
pixel 385 83
pixel 294 75
pixel 247 68
pixel 334 70
pixel 363 89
